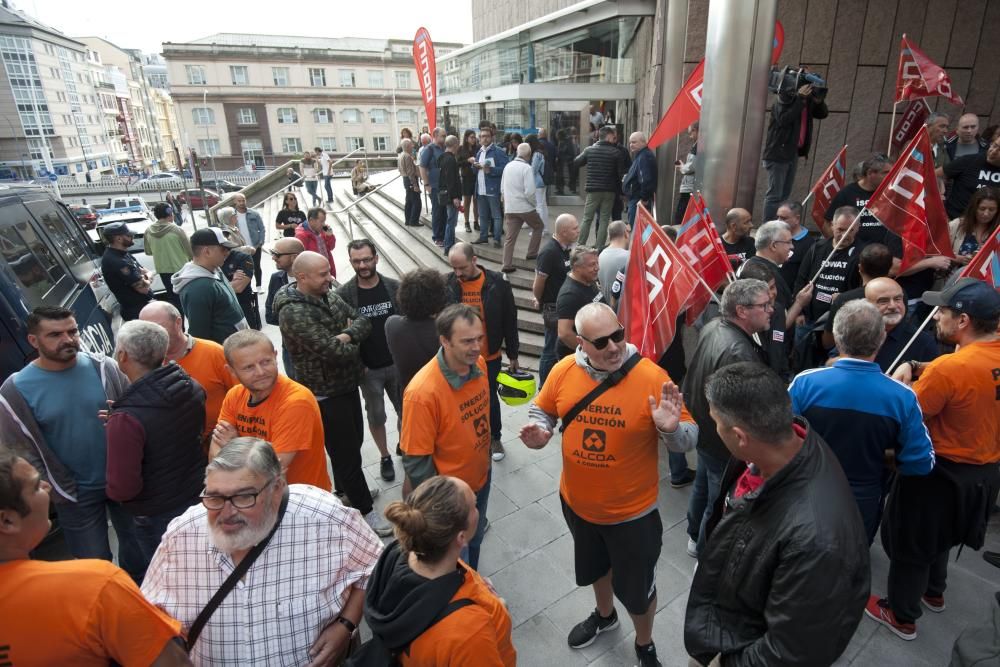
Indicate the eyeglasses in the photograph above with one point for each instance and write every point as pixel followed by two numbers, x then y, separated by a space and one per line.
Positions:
pixel 276 255
pixel 240 501
pixel 767 305
pixel 362 260
pixel 602 342
pixel 786 242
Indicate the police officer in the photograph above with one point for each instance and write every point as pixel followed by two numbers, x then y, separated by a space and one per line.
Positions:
pixel 129 282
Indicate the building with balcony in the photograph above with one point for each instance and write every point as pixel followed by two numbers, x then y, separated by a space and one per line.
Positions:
pixel 261 100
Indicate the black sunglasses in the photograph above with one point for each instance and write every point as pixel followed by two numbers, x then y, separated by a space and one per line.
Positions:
pixel 602 342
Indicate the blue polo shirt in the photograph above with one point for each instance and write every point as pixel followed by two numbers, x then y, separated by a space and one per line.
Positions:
pixel 429 161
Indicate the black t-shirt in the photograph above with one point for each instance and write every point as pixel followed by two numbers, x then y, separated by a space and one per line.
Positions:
pixel 740 251
pixel 838 275
pixel 375 306
pixel 968 174
pixel 287 216
pixel 572 297
pixel 790 269
pixel 121 270
pixel 870 230
pixel 553 261
pixel 784 297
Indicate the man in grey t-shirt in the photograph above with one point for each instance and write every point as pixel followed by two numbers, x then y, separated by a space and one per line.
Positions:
pixel 612 260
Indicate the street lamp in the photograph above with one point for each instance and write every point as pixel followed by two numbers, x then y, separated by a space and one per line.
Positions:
pixel 208 144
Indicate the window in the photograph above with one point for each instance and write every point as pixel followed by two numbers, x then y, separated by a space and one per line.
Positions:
pixel 247 116
pixel 65 238
pixel 280 76
pixel 378 116
pixel 291 145
pixel 375 80
pixel 239 75
pixel 317 76
pixel 406 116
pixel 380 144
pixel 195 75
pixel 203 116
pixel 30 261
pixel 253 152
pixel 322 115
pixel 346 78
pixel 209 147
pixel 351 115
pixel 328 144
pixel 402 79
pixel 288 116
pixel 354 143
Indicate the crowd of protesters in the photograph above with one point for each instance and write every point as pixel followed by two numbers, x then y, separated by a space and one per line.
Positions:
pixel 819 414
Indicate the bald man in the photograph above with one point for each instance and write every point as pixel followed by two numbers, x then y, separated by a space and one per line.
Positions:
pixel 967 140
pixel 283 253
pixel 639 184
pixel 550 273
pixel 736 239
pixel 887 295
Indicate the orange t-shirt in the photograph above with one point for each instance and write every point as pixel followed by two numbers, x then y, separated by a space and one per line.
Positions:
pixel 206 364
pixel 472 295
pixel 610 451
pixel 476 634
pixel 960 396
pixel 452 426
pixel 290 420
pixel 77 612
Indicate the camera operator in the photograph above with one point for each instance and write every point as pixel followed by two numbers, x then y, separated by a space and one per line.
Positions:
pixel 789 136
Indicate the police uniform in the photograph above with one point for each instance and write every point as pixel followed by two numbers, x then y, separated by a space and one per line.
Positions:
pixel 121 270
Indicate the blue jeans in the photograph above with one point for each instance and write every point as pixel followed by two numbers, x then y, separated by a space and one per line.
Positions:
pixel 707 481
pixel 678 466
pixel 490 217
pixel 470 553
pixel 780 178
pixel 633 206
pixel 548 358
pixel 451 220
pixel 149 531
pixel 329 189
pixel 286 360
pixel 438 215
pixel 493 369
pixel 85 526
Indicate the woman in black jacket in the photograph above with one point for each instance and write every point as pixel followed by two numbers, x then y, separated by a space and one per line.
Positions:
pixel 466 152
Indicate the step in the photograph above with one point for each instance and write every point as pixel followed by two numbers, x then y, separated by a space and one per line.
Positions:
pixel 387 246
pixel 421 254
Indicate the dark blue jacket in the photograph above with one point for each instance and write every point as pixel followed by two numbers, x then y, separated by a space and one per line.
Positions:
pixel 639 183
pixel 861 413
pixel 278 280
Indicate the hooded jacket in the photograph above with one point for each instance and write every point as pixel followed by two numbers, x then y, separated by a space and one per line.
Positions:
pixel 209 303
pixel 169 409
pixel 309 329
pixel 20 431
pixel 785 574
pixel 168 245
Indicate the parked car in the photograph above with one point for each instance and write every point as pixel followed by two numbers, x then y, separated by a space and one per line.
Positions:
pixel 192 198
pixel 138 221
pixel 222 185
pixel 85 215
pixel 166 179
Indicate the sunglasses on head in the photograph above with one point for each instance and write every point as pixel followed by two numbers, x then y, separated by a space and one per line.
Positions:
pixel 602 342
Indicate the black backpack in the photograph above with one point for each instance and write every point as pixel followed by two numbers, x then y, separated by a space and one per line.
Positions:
pixel 375 653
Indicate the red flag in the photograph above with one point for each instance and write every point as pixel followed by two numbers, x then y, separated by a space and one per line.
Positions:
pixel 918 76
pixel 985 264
pixel 423 60
pixel 908 203
pixel 699 243
pixel 827 187
pixel 912 119
pixel 685 109
pixel 658 282
pixel 778 43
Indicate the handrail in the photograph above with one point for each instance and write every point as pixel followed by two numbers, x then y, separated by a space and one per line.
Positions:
pixel 298 182
pixel 366 196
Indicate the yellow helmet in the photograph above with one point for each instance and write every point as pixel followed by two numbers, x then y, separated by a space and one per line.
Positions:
pixel 516 387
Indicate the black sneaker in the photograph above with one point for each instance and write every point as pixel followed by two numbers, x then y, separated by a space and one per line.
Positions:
pixel 647 655
pixel 386 469
pixel 686 480
pixel 584 633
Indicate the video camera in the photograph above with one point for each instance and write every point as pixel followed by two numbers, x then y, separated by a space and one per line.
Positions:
pixel 788 80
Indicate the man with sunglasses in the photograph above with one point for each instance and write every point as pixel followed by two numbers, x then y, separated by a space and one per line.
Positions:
pixel 302 598
pixel 283 253
pixel 610 469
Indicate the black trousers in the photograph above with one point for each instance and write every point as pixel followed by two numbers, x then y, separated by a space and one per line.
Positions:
pixel 411 209
pixel 343 433
pixel 908 582
pixel 256 264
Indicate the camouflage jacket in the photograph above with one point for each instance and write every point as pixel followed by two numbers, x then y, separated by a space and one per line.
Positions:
pixel 309 326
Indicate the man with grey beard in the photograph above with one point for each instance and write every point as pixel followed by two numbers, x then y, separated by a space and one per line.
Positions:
pixel 301 600
pixel 887 295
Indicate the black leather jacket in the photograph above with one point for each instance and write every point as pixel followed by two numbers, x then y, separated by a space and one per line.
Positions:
pixel 782 143
pixel 785 572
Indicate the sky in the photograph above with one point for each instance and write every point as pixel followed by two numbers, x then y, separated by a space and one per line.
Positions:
pixel 145 24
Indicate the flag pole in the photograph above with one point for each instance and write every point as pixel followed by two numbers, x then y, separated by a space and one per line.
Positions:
pixel 836 247
pixel 906 347
pixel 806 200
pixel 892 128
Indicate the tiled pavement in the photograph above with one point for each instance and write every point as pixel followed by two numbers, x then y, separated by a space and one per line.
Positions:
pixel 527 553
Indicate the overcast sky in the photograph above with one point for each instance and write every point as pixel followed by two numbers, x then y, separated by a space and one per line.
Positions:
pixel 145 24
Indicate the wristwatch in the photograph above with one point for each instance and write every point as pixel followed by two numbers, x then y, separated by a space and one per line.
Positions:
pixel 915 367
pixel 347 623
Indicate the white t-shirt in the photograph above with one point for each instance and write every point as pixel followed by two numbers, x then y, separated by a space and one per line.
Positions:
pixel 241 224
pixel 324 163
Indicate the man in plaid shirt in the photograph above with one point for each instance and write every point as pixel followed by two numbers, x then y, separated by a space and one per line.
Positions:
pixel 301 600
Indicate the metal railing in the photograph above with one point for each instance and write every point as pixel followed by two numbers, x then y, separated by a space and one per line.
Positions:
pixel 298 182
pixel 347 209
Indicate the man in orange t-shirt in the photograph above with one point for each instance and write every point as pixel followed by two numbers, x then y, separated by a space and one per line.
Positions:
pixel 446 426
pixel 926 516
pixel 200 358
pixel 269 406
pixel 492 296
pixel 610 478
pixel 76 612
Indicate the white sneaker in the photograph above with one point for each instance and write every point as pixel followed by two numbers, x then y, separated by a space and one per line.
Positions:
pixel 381 527
pixel 374 491
pixel 692 548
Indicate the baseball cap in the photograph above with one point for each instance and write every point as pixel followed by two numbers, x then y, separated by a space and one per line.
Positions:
pixel 211 236
pixel 162 210
pixel 115 229
pixel 968 295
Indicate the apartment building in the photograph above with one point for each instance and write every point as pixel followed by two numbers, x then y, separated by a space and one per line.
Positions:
pixel 263 99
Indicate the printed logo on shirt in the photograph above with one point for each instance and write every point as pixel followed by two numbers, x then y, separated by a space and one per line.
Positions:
pixel 989 176
pixel 376 310
pixel 778 336
pixel 476 408
pixel 594 440
pixel 825 297
pixel 481 426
